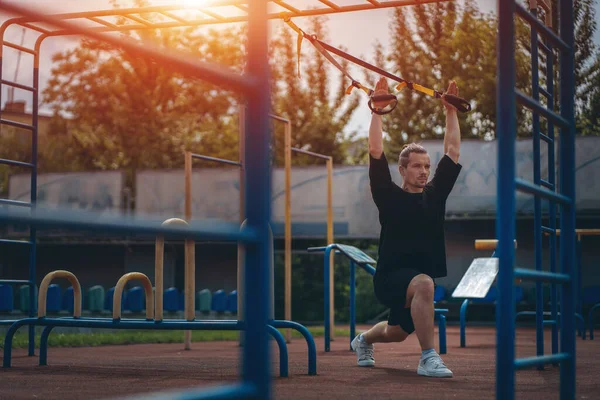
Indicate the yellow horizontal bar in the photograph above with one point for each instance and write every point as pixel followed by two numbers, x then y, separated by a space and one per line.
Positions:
pixel 488 244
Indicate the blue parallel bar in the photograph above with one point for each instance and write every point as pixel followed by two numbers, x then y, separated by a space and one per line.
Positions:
pixel 15 281
pixel 537 202
pixel 545 138
pixel 15 163
pixel 326 317
pixel 542 29
pixel 8 241
pixel 567 183
pixel 536 106
pixel 547 184
pixel 523 363
pixel 15 203
pixel 528 187
pixel 219 160
pixel 16 124
pixel 506 128
pixel 49 218
pixel 548 230
pixel 545 93
pixel 531 274
pixel 352 300
pixel 257 160
pixel 544 47
pixel 18 85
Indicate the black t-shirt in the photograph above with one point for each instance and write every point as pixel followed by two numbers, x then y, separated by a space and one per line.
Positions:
pixel 412 224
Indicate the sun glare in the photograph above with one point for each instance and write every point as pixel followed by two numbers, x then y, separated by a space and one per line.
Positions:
pixel 192 3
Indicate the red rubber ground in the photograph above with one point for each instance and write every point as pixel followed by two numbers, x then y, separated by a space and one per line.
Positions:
pixel 116 371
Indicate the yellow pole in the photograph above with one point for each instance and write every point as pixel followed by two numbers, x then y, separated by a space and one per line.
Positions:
pixel 189 285
pixel 288 228
pixel 330 241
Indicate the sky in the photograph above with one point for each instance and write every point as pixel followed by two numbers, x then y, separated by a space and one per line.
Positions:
pixel 357 31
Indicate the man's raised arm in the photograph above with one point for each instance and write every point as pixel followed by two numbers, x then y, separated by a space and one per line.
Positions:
pixel 376 129
pixel 452 135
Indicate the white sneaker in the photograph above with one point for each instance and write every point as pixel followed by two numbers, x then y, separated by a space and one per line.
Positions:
pixel 432 365
pixel 364 352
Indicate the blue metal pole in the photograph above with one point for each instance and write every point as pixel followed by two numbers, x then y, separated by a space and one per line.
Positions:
pixel 505 226
pixel 327 327
pixel 352 301
pixel 463 323
pixel 33 189
pixel 537 201
pixel 552 205
pixel 579 284
pixel 567 184
pixel 256 364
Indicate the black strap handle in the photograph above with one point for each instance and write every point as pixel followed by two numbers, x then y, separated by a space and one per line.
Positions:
pixel 461 104
pixel 383 97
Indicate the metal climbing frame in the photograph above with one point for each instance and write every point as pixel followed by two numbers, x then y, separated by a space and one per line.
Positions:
pixel 506 364
pixel 255 370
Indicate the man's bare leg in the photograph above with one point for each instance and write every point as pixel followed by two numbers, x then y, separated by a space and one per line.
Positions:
pixel 419 297
pixel 384 333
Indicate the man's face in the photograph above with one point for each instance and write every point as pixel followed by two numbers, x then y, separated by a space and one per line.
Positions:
pixel 416 173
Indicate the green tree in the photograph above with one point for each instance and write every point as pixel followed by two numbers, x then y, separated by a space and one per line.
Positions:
pixel 318 113
pixel 432 45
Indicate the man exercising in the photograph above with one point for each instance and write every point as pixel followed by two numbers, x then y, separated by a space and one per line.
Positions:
pixel 412 249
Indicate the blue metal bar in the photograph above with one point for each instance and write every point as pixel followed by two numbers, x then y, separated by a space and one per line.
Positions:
pixel 17 85
pixel 15 282
pixel 326 267
pixel 352 301
pixel 15 163
pixel 310 153
pixel 219 160
pixel 16 46
pixel 16 124
pixel 442 333
pixel 545 93
pixel 33 199
pixel 545 138
pixel 537 202
pixel 256 364
pixel 536 106
pixel 545 48
pixel 541 28
pixel 551 204
pixel 523 363
pixel 49 218
pixel 8 241
pixel 230 392
pixel 14 203
pixel 310 342
pixel 548 230
pixel 506 128
pixel 547 184
pixel 531 274
pixel 567 185
pixel 463 323
pixel 528 187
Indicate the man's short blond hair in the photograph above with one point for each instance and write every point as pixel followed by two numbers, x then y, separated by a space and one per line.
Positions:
pixel 406 150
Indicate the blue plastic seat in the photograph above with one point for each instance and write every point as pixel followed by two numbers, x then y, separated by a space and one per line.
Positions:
pixel 171 300
pixel 53 299
pixel 6 298
pixel 232 300
pixel 439 294
pixel 219 301
pixel 136 299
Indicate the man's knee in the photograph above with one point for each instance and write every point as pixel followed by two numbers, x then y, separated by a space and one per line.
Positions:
pixel 394 333
pixel 423 285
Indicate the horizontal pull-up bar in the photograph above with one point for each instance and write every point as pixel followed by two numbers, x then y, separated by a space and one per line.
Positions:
pixel 215 159
pixel 310 153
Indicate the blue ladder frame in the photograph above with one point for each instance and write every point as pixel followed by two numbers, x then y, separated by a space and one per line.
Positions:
pixel 506 364
pixel 32 166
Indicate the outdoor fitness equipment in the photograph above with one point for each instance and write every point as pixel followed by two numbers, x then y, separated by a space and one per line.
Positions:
pixel 461 104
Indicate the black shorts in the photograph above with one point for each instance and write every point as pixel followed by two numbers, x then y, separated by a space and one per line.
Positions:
pixel 390 289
